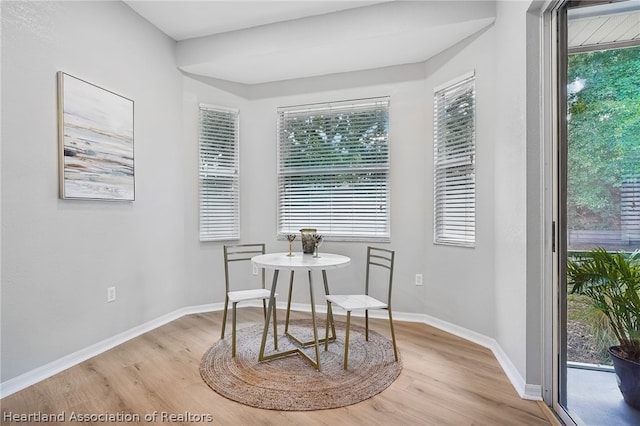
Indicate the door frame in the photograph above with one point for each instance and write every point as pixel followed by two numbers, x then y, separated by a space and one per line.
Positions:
pixel 553 127
pixel 560 211
pixel 555 51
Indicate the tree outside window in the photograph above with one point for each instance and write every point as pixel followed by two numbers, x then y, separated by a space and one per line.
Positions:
pixel 603 199
pixel 333 169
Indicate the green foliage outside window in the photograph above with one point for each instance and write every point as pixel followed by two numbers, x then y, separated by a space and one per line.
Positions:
pixel 603 134
pixel 353 139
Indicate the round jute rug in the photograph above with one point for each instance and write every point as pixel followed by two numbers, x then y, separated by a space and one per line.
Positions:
pixel 291 383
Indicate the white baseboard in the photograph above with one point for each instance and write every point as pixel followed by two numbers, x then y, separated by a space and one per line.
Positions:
pixel 38 374
pixel 526 391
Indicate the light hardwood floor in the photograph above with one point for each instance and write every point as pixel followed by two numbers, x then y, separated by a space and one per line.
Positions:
pixel 445 381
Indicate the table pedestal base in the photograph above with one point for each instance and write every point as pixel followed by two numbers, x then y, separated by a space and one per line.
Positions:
pixel 315 342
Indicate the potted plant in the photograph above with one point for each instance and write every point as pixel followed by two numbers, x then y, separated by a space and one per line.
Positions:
pixel 612 283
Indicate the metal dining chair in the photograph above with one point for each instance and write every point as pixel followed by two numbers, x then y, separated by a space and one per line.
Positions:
pixel 242 253
pixel 376 258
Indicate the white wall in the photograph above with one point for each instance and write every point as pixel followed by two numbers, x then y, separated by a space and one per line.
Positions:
pixel 482 289
pixel 485 289
pixel 510 182
pixel 259 182
pixel 408 201
pixel 59 256
pixel 203 261
pixel 461 280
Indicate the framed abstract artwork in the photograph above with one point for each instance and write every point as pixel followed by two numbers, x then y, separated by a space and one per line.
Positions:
pixel 95 142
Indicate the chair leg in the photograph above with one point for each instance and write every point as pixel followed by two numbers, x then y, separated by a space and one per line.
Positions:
pixel 264 308
pixel 326 330
pixel 233 331
pixel 393 337
pixel 331 321
pixel 346 340
pixel 224 315
pixel 329 310
pixel 275 327
pixel 366 325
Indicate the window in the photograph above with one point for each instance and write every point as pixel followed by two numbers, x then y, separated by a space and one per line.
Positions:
pixel 333 169
pixel 603 147
pixel 454 163
pixel 219 174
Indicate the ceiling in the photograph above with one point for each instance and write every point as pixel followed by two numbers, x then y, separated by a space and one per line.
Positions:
pixel 601 26
pixel 253 42
pixel 185 19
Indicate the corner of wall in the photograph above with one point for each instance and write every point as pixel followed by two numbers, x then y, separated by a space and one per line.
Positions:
pixel 525 390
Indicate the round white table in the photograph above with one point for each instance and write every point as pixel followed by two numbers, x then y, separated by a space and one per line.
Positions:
pixel 298 262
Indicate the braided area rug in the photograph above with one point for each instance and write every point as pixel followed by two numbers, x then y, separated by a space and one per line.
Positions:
pixel 291 383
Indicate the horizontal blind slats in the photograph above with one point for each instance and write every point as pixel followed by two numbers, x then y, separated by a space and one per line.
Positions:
pixel 454 163
pixel 219 175
pixel 333 164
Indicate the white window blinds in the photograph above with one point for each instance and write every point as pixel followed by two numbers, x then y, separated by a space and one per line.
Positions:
pixel 219 174
pixel 454 163
pixel 333 169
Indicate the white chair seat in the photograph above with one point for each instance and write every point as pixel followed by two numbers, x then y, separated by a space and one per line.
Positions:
pixel 351 302
pixel 253 294
pixel 380 259
pixel 241 255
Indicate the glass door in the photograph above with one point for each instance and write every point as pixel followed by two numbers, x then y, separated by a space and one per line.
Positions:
pixel 598 191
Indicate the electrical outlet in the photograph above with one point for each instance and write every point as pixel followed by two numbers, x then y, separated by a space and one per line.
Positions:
pixel 418 279
pixel 111 294
pixel 255 269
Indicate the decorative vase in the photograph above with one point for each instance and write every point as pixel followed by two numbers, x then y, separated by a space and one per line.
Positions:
pixel 308 242
pixel 628 375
